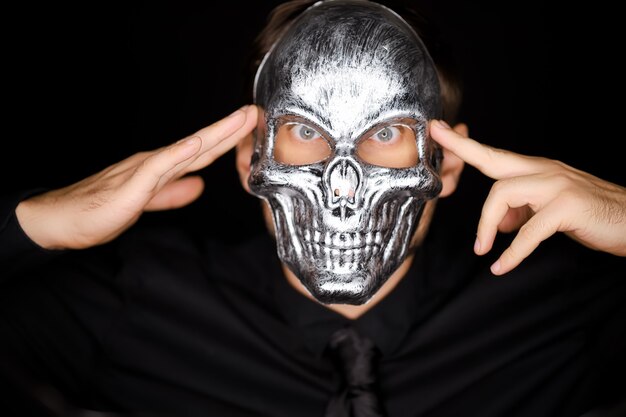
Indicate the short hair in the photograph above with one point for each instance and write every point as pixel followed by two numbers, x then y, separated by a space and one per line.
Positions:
pixel 282 15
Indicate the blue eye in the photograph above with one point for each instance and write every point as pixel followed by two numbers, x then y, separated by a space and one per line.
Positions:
pixel 306 133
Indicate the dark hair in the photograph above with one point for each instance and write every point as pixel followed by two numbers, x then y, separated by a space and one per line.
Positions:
pixel 283 14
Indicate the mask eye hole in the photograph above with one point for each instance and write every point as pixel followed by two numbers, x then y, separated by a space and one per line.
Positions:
pixel 299 143
pixel 393 146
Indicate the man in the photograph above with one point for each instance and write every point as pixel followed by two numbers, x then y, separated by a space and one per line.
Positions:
pixel 158 323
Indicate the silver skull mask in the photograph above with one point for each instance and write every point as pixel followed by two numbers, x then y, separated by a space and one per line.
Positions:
pixel 346 70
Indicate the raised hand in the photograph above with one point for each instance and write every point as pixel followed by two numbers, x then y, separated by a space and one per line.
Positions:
pixel 539 197
pixel 101 207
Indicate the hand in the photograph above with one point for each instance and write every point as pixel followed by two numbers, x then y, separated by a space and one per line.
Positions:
pixel 101 207
pixel 540 197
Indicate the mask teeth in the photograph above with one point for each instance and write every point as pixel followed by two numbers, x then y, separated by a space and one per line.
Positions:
pixel 341 259
pixel 367 252
pixel 341 241
pixel 329 262
pixel 344 250
pixel 353 259
pixel 378 239
pixel 317 250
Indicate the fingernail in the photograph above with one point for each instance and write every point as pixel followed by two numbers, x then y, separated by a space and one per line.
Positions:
pixel 496 267
pixel 442 124
pixel 190 146
pixel 238 111
pixel 477 246
pixel 187 141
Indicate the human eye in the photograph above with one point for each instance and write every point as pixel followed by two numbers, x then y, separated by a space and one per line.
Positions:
pixel 298 143
pixel 304 132
pixel 387 134
pixel 393 146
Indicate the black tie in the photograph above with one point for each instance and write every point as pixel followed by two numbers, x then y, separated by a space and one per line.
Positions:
pixel 355 358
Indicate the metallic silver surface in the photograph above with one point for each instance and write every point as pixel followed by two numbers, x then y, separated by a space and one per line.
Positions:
pixel 344 226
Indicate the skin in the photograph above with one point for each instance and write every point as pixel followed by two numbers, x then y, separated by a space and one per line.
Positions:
pixel 539 197
pixel 99 208
pixel 534 196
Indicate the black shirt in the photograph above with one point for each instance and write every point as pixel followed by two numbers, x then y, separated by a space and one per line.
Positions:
pixel 161 322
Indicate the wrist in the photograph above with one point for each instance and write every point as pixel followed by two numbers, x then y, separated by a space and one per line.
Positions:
pixel 36 223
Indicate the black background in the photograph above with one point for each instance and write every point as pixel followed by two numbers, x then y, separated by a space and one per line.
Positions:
pixel 87 85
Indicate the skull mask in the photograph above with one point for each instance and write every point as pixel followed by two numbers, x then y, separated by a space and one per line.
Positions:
pixel 344 71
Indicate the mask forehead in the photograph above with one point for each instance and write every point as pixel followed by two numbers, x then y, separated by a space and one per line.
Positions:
pixel 347 65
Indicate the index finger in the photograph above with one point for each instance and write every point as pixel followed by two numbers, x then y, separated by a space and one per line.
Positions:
pixel 222 136
pixel 493 162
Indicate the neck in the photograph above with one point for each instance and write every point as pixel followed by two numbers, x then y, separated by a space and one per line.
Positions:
pixel 353 312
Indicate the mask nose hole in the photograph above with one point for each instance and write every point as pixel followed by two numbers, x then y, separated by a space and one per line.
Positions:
pixel 343 181
pixel 338 192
